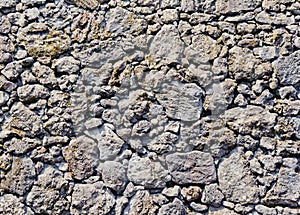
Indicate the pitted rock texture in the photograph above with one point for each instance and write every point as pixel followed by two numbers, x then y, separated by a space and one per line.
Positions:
pixel 149 107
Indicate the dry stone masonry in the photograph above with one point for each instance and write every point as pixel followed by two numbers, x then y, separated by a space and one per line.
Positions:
pixel 150 107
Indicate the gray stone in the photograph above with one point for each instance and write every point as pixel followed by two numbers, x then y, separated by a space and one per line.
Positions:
pixel 44 74
pixel 275 4
pixel 275 19
pixel 33 2
pixel 108 142
pixel 266 52
pixel 21 146
pixel 113 175
pixel 23 121
pixel 166 46
pixel 171 191
pixel 12 70
pixel 237 186
pixel 174 208
pixel 233 6
pixel 265 210
pixel 82 155
pixel 143 171
pixel 91 199
pixel 142 203
pixel 31 93
pixel 286 190
pixel 32 13
pixel 287 147
pixel 287 69
pixel 11 205
pixel 252 120
pixel 212 195
pixel 191 193
pixel 241 63
pixel 202 49
pixel 46 201
pixel 20 177
pixel 3 98
pixel 67 65
pixel 182 102
pixel 193 167
pixel 221 211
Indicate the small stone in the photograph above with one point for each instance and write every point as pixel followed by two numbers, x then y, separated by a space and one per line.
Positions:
pixel 32 13
pixel 142 203
pixel 275 19
pixel 91 199
pixel 265 210
pixel 221 211
pixel 198 207
pixel 174 208
pixel 82 155
pixel 171 191
pixel 5 25
pixel 3 98
pixel 212 195
pixel 193 167
pixel 268 143
pixel 191 193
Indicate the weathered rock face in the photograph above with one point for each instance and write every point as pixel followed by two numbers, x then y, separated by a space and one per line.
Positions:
pixel 10 205
pixel 250 120
pixel 82 156
pixel 237 186
pixel 20 177
pixel 193 167
pixel 287 69
pixel 143 171
pixel 149 107
pixel 166 45
pixel 91 199
pixel 286 189
pixel 23 121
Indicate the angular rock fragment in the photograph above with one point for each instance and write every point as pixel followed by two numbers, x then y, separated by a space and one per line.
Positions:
pixel 142 203
pixel 11 205
pixel 82 155
pixel 236 181
pixel 241 63
pixel 286 190
pixel 221 211
pixel 233 6
pixel 21 146
pixel 288 69
pixel 31 93
pixel 91 199
pixel 113 175
pixel 252 120
pixel 175 208
pixel 166 45
pixel 212 195
pixel 108 142
pixel 183 102
pixel 20 177
pixel 202 49
pixel 23 121
pixel 193 167
pixel 143 171
pixel 67 65
pixel 43 200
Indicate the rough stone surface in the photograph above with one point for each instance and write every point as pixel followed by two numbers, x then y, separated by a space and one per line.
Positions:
pixel 149 107
pixel 237 186
pixel 194 167
pixel 82 156
pixel 91 199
